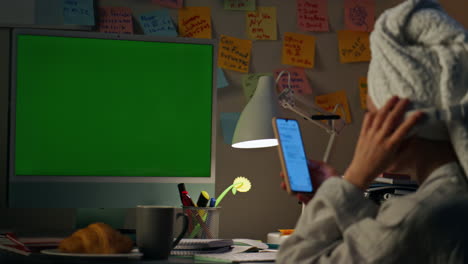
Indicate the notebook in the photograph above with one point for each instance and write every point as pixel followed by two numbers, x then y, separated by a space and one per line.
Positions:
pixel 238 257
pixel 200 243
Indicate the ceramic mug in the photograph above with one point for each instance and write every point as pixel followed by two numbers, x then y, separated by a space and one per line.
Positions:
pixel 155 230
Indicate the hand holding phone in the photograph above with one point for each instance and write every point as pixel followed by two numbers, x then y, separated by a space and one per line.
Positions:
pixel 292 156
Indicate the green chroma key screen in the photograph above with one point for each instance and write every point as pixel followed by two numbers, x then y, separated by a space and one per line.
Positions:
pixel 101 107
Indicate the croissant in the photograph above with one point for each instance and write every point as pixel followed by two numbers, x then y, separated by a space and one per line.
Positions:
pixel 97 238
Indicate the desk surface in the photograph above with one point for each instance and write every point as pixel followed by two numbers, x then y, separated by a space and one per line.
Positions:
pixel 37 258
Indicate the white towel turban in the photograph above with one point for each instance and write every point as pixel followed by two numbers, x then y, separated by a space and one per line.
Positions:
pixel 420 53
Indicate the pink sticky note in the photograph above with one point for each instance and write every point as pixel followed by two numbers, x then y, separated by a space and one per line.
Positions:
pixel 299 82
pixel 312 15
pixel 359 15
pixel 170 3
pixel 115 20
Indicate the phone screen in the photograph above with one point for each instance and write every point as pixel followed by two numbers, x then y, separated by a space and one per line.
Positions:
pixel 294 155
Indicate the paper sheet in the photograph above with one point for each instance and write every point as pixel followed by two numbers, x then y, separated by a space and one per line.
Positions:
pixel 115 20
pixel 353 46
pixel 195 22
pixel 328 102
pixel 228 125
pixel 221 79
pixel 261 24
pixel 298 50
pixel 312 15
pixel 234 53
pixel 158 23
pixel 299 82
pixel 363 92
pixel 243 5
pixel 359 15
pixel 78 12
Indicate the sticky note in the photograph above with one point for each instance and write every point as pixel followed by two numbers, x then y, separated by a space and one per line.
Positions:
pixel 247 5
pixel 298 50
pixel 261 24
pixel 299 82
pixel 359 15
pixel 78 12
pixel 228 125
pixel 249 83
pixel 115 20
pixel 170 3
pixel 158 23
pixel 353 46
pixel 195 22
pixel 234 53
pixel 363 92
pixel 221 79
pixel 312 15
pixel 328 102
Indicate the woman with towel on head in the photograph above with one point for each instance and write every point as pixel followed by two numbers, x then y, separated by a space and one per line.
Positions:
pixel 419 63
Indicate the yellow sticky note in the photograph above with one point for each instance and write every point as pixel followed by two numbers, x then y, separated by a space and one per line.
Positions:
pixel 195 22
pixel 298 50
pixel 328 102
pixel 234 53
pixel 261 24
pixel 353 46
pixel 363 92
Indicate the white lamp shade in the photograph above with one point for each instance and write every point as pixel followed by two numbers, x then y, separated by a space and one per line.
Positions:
pixel 254 128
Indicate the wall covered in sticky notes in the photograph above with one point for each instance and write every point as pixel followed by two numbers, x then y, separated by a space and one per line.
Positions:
pixel 317 40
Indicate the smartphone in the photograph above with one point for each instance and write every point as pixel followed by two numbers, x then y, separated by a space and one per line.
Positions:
pixel 292 155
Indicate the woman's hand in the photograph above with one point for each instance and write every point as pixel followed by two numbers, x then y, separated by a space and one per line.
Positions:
pixel 319 172
pixel 381 135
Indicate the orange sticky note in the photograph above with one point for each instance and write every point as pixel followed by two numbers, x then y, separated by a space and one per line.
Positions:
pixel 363 92
pixel 234 53
pixel 312 15
pixel 299 82
pixel 195 22
pixel 353 46
pixel 115 20
pixel 359 15
pixel 328 102
pixel 170 3
pixel 261 24
pixel 298 50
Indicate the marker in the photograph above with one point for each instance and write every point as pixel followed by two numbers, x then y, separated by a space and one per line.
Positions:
pixel 184 196
pixel 203 199
pixel 212 202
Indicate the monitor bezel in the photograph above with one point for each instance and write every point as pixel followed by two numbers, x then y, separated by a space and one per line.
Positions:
pixel 12 177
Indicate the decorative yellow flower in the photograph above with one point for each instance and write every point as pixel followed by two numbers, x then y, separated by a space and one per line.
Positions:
pixel 242 184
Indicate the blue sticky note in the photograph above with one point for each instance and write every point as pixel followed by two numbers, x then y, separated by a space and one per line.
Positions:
pixel 158 23
pixel 78 12
pixel 228 124
pixel 221 79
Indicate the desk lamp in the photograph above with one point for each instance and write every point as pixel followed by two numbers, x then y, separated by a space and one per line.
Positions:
pixel 254 128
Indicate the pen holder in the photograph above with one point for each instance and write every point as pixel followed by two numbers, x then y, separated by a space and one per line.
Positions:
pixel 203 221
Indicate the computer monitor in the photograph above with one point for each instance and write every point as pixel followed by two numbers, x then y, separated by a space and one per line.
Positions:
pixel 111 121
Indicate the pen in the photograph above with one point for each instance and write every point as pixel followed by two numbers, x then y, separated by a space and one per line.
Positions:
pixel 203 199
pixel 212 202
pixel 184 196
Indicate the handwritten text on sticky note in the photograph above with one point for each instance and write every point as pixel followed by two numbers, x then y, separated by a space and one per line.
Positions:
pixel 329 101
pixel 247 5
pixel 261 24
pixel 312 15
pixel 158 23
pixel 299 82
pixel 353 46
pixel 170 3
pixel 359 15
pixel 234 53
pixel 363 92
pixel 115 20
pixel 298 50
pixel 78 12
pixel 195 22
